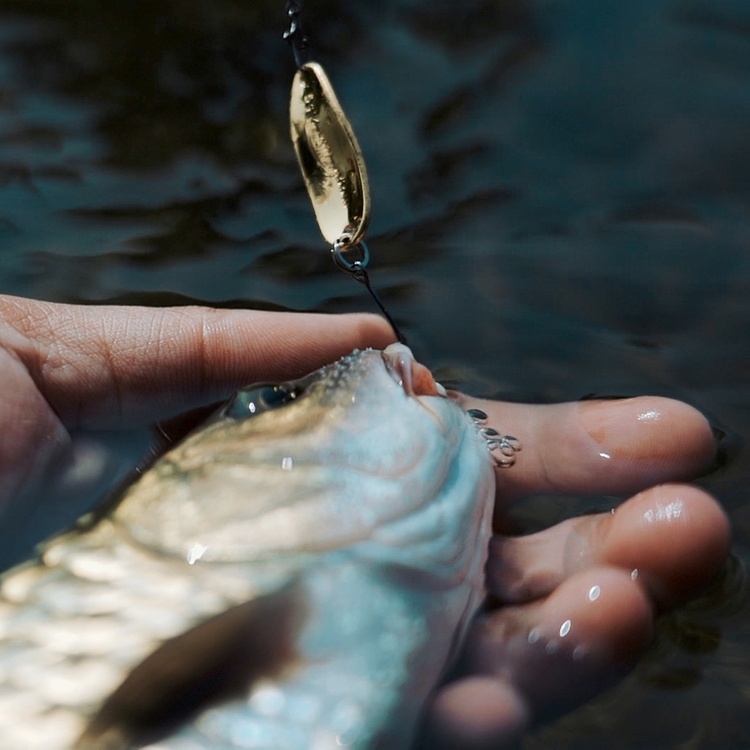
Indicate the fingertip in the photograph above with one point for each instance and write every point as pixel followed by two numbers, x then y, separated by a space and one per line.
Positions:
pixel 475 713
pixel 373 330
pixel 287 344
pixel 674 537
pixel 649 438
pixel 558 652
pixel 587 635
pixel 367 330
pixel 600 612
pixel 690 435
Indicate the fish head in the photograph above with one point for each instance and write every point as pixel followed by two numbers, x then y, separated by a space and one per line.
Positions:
pixel 366 450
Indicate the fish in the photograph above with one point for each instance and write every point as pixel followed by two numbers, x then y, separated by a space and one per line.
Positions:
pixel 297 574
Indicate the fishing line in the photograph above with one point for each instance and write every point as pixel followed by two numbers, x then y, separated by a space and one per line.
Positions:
pixel 331 162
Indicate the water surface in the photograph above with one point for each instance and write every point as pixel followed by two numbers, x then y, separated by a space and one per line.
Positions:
pixel 561 207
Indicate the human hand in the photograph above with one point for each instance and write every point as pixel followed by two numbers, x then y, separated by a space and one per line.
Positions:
pixel 72 372
pixel 575 604
pixel 73 375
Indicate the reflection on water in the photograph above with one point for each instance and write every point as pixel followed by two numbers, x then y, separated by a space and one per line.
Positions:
pixel 561 207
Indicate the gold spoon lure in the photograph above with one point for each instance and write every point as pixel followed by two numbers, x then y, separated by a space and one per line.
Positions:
pixel 331 162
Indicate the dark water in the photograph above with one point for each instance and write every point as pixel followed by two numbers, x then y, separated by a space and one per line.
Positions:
pixel 561 207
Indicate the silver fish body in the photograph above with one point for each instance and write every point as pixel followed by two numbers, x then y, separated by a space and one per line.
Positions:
pixel 295 575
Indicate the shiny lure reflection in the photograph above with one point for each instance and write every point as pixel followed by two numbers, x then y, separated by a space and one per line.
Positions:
pixel 296 574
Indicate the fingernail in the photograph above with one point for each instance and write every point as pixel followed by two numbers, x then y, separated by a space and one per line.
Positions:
pixel 728 446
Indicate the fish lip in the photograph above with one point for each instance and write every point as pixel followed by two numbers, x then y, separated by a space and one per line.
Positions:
pixel 412 376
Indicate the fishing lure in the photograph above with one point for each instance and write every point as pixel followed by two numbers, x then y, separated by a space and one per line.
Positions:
pixel 331 161
pixel 335 176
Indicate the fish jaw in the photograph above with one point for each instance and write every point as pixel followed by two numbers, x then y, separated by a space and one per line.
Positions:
pixel 412 376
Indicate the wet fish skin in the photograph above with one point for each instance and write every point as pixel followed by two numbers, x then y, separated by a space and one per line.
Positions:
pixel 344 532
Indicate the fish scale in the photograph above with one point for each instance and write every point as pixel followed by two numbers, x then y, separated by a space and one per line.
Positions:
pixel 295 579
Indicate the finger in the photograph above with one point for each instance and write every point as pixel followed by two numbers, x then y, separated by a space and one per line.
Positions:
pixel 673 539
pixel 532 661
pixel 475 713
pixel 600 446
pixel 108 366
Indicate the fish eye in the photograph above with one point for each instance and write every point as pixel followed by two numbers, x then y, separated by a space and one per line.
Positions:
pixel 256 399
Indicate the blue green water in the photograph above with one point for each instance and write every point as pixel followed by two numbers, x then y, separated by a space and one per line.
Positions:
pixel 561 197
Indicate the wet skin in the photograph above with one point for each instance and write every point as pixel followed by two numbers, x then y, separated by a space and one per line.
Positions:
pixel 570 603
pixel 576 603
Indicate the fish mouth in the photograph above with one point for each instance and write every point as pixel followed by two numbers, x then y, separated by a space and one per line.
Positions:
pixel 412 376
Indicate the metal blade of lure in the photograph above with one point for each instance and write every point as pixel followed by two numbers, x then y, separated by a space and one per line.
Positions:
pixel 330 158
pixel 332 165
